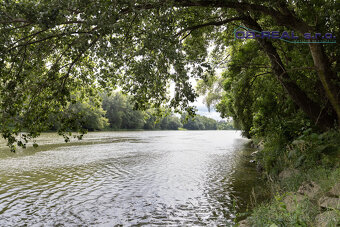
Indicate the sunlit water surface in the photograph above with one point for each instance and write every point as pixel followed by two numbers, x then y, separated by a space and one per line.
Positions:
pixel 173 178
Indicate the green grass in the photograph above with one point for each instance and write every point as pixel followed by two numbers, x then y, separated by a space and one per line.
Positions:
pixel 275 212
pixel 316 157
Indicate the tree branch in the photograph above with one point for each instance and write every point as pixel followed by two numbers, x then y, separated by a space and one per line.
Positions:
pixel 212 23
pixel 51 37
pixel 287 18
pixel 64 78
pixel 16 20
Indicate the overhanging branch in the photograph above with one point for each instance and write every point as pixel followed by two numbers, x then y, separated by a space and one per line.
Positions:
pixel 212 23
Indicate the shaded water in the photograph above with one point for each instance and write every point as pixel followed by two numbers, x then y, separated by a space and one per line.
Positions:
pixel 171 178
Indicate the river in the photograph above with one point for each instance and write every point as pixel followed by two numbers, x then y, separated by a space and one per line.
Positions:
pixel 175 178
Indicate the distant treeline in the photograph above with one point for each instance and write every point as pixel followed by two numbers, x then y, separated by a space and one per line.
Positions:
pixel 116 112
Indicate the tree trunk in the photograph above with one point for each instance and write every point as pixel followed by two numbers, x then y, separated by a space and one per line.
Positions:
pixel 326 75
pixel 321 61
pixel 284 17
pixel 311 108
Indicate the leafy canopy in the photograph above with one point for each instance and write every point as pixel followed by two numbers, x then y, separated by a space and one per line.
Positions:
pixel 53 53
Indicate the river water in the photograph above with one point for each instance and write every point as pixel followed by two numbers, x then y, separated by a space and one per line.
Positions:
pixel 174 178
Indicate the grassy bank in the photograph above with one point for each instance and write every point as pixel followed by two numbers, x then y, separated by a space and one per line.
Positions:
pixel 303 179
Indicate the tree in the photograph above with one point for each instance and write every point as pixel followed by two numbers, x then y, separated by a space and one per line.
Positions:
pixel 256 100
pixel 198 122
pixel 225 125
pixel 152 120
pixel 174 123
pixel 170 122
pixel 51 49
pixel 120 112
pixel 90 117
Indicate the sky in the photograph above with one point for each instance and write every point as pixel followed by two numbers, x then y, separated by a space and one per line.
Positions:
pixel 203 110
pixel 199 104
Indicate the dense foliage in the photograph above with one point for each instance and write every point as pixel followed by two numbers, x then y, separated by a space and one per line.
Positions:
pixel 199 123
pixel 120 112
pixel 117 112
pixel 57 53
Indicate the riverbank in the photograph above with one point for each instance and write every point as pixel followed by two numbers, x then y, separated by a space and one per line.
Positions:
pixel 303 180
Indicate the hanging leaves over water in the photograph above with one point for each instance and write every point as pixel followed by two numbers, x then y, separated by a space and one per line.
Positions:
pixel 53 53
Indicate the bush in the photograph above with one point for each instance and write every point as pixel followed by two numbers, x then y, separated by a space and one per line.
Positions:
pixel 276 214
pixel 306 151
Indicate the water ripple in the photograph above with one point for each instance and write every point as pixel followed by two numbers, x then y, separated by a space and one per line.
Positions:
pixel 139 178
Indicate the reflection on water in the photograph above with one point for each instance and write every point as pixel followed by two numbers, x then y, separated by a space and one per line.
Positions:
pixel 124 178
